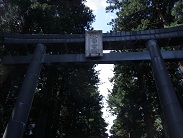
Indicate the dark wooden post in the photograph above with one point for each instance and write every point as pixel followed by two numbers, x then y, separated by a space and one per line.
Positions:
pixel 16 125
pixel 168 100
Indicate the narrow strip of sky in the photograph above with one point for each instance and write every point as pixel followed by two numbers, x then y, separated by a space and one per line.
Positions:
pixel 106 70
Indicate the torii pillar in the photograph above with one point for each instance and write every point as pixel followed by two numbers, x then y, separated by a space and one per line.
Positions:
pixel 17 123
pixel 168 99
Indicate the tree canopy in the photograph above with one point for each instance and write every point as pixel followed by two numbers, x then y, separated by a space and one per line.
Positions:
pixel 134 99
pixel 67 103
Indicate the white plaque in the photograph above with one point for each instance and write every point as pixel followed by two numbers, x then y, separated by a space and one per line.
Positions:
pixel 93 43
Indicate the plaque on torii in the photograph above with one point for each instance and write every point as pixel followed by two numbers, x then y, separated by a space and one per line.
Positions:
pixel 93 43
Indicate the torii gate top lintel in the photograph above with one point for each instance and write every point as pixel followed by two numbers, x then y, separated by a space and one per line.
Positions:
pixel 111 41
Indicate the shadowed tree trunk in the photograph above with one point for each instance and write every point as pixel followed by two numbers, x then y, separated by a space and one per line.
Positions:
pixel 145 107
pixel 45 112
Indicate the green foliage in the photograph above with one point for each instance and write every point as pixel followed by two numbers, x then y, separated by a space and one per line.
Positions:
pixel 142 15
pixel 10 20
pixel 46 17
pixel 67 103
pixel 177 13
pixel 75 104
pixel 133 98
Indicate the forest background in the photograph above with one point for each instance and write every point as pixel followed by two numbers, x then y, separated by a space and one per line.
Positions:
pixel 67 103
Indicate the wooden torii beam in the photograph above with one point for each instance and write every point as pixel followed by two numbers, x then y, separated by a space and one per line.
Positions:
pixel 111 41
pixel 108 58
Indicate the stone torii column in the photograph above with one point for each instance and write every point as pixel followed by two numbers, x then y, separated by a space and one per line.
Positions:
pixel 17 123
pixel 168 99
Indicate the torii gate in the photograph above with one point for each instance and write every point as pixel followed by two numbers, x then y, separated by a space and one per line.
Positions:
pixel 111 41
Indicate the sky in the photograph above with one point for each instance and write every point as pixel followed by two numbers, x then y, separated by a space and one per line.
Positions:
pixel 102 18
pixel 106 70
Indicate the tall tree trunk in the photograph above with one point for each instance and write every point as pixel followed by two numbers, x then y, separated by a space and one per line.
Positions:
pixel 40 132
pixel 164 131
pixel 55 121
pixel 45 116
pixel 148 121
pixel 145 106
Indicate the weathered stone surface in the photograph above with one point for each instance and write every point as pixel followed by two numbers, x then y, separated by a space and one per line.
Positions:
pixel 93 43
